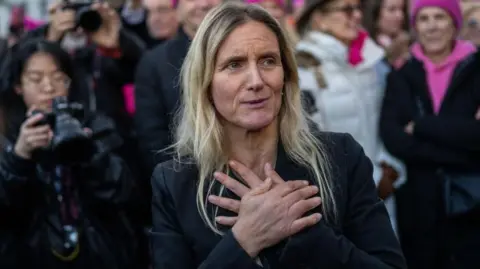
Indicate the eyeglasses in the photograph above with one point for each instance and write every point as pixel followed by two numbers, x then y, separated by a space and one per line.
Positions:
pixel 347 9
pixel 57 80
pixel 473 24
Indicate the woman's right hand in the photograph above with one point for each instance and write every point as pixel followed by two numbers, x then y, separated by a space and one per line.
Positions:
pixel 32 137
pixel 268 215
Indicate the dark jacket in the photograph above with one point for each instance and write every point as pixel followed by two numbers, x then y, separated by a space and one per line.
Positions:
pixel 30 209
pixel 157 94
pixel 449 140
pixel 362 236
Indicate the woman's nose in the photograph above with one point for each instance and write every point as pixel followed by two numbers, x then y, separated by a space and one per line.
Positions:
pixel 255 80
pixel 47 86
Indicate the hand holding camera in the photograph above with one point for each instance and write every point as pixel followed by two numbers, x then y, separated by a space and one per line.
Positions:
pixel 32 136
pixel 98 20
pixel 58 132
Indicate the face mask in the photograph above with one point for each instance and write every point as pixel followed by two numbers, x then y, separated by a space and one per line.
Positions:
pixel 74 41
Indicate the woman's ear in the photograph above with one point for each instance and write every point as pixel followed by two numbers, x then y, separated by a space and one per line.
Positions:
pixel 18 89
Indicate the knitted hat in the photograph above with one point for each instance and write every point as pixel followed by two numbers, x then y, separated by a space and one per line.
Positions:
pixel 451 6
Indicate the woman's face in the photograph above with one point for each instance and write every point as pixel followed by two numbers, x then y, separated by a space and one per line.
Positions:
pixel 342 19
pixel 471 27
pixel 273 8
pixel 392 17
pixel 41 82
pixel 435 30
pixel 248 78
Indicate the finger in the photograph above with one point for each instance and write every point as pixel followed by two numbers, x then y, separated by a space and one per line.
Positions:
pixel 300 224
pixel 246 174
pixel 300 194
pixel 226 203
pixel 236 187
pixel 301 207
pixel 40 130
pixel 227 221
pixel 269 172
pixel 30 111
pixel 38 140
pixel 33 120
pixel 290 186
pixel 266 185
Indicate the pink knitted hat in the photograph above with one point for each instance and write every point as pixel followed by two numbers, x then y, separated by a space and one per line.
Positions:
pixel 451 6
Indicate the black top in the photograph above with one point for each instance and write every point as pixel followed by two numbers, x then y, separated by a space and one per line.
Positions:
pixel 362 236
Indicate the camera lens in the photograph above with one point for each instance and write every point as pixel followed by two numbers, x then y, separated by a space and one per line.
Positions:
pixel 89 20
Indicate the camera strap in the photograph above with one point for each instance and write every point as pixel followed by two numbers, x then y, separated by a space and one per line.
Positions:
pixel 69 209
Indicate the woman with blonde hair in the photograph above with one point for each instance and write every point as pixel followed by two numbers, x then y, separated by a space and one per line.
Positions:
pixel 252 186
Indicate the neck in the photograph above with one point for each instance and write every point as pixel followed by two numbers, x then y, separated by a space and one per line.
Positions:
pixel 253 149
pixel 190 32
pixel 440 56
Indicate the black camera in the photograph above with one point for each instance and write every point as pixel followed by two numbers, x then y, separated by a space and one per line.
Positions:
pixel 85 17
pixel 70 143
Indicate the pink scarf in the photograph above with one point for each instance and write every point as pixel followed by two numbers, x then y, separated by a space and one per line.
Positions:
pixel 355 49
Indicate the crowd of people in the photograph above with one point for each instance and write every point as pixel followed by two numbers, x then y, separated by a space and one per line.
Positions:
pixel 264 134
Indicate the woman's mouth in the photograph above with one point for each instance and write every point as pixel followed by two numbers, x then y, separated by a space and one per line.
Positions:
pixel 257 103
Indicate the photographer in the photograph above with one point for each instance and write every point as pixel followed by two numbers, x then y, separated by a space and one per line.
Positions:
pixel 105 56
pixel 59 214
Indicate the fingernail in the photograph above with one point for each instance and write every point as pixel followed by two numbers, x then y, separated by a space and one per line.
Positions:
pixel 305 182
pixel 232 163
pixel 269 166
pixel 212 198
pixel 218 219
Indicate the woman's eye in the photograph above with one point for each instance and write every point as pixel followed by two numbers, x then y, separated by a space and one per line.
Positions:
pixel 269 62
pixel 233 65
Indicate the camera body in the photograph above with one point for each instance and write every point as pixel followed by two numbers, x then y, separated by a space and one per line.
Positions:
pixel 70 143
pixel 86 18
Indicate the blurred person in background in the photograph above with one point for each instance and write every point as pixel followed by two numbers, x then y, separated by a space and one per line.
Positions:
pixel 20 24
pixel 105 61
pixel 387 24
pixel 157 91
pixel 278 9
pixel 471 25
pixel 154 21
pixel 162 19
pixel 59 214
pixel 342 85
pixel 431 121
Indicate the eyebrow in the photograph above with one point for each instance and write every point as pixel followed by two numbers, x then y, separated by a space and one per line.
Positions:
pixel 242 57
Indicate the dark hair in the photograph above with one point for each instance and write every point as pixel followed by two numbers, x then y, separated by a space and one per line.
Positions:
pixel 371 15
pixel 13 68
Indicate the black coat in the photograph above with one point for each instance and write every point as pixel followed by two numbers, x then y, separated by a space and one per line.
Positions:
pixel 449 140
pixel 30 216
pixel 157 94
pixel 362 236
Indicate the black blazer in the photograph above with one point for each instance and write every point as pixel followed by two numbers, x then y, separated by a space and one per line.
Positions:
pixel 361 238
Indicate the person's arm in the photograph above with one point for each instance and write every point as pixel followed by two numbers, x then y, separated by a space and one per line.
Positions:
pixel 151 119
pixel 367 239
pixel 170 248
pixel 120 63
pixel 409 148
pixel 458 133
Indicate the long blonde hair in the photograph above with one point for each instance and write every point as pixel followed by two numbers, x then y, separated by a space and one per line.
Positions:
pixel 199 134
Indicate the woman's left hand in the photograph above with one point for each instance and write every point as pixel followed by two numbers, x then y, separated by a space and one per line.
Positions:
pixel 240 189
